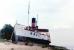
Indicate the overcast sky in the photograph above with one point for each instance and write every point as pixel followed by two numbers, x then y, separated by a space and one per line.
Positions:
pixel 56 15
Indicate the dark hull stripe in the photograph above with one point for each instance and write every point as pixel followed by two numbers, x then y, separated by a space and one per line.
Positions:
pixel 34 40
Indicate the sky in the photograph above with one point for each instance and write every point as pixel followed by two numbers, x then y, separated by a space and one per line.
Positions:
pixel 55 15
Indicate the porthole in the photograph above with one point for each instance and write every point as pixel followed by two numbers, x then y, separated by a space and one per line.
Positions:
pixel 34 33
pixel 31 33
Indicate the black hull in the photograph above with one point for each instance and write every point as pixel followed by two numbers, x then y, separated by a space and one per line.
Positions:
pixel 34 40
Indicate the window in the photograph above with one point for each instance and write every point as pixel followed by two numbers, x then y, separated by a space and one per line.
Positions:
pixel 34 33
pixel 31 33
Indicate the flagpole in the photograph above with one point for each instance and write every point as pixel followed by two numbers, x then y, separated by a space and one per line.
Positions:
pixel 28 13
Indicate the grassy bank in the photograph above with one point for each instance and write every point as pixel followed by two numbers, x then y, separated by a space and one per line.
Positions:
pixel 2 40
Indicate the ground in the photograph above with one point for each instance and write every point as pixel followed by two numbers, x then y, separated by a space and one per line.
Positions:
pixel 11 46
pixel 8 45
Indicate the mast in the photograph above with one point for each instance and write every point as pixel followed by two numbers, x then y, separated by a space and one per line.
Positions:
pixel 37 20
pixel 28 12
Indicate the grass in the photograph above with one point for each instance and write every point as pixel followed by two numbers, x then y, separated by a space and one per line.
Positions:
pixel 2 40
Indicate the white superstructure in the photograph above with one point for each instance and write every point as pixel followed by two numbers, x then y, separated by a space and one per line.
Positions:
pixel 20 31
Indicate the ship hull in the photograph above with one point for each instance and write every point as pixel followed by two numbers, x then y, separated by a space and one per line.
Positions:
pixel 33 40
pixel 28 39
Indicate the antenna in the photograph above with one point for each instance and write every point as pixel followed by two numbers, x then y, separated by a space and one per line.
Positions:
pixel 37 20
pixel 28 12
pixel 16 22
pixel 37 17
